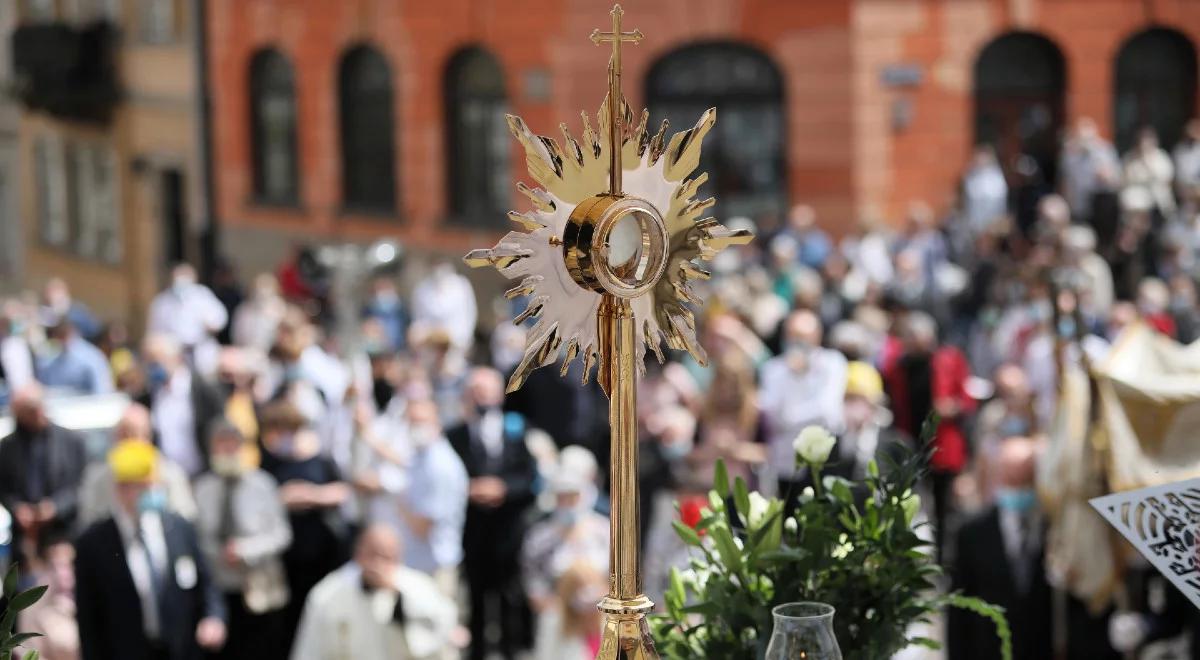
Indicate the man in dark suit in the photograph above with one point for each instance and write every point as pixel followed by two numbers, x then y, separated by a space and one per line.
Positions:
pixel 41 466
pixel 491 444
pixel 1000 559
pixel 143 591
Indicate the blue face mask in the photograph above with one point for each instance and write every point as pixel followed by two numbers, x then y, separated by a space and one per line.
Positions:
pixel 567 517
pixel 675 450
pixel 153 500
pixel 156 376
pixel 1017 500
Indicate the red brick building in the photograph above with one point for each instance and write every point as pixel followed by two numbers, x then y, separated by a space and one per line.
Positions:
pixel 856 106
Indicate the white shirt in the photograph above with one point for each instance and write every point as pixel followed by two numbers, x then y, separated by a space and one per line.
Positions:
pixel 140 566
pixel 342 620
pixel 175 422
pixel 189 314
pixel 491 433
pixel 446 300
pixel 17 361
pixel 792 399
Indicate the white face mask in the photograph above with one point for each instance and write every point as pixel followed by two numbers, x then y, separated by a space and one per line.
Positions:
pixel 226 465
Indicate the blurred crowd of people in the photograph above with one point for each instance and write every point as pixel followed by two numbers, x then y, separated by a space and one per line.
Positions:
pixel 276 490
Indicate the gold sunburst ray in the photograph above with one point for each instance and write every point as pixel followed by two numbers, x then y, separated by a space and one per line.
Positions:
pixel 655 169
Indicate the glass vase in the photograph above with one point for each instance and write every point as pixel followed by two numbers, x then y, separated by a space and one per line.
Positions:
pixel 803 631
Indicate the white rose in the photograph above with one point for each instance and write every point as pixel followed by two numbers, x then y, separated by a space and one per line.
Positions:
pixel 813 445
pixel 758 510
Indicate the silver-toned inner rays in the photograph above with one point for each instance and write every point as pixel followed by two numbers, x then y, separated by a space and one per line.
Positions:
pixel 654 170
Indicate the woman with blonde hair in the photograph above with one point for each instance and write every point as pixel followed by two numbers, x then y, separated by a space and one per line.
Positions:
pixel 570 629
pixel 728 424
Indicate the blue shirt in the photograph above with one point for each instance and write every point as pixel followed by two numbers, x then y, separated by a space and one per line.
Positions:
pixel 80 367
pixel 437 490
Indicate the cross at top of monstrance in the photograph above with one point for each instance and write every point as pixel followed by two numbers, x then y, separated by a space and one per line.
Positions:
pixel 606 258
pixel 616 126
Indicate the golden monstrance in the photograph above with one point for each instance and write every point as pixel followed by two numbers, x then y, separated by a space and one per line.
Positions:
pixel 606 257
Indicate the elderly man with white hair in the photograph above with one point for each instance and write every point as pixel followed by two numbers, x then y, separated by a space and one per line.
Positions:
pixel 802 387
pixel 571 533
pixel 375 608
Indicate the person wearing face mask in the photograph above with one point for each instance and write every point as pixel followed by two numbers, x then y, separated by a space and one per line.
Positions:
pixel 313 493
pixel 502 471
pixel 802 387
pixel 183 405
pixel 243 532
pixel 386 307
pixel 931 378
pixel 570 629
pixel 573 532
pixel 1000 560
pixel 868 435
pixel 376 608
pixel 68 362
pixel 257 319
pixel 41 467
pixel 143 586
pixel 190 313
pixel 96 489
pixel 445 301
pixel 54 614
pixel 432 503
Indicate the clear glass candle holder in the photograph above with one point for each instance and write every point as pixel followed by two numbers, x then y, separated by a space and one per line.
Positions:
pixel 803 631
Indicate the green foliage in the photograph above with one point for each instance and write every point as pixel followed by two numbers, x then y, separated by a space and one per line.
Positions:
pixel 849 544
pixel 8 618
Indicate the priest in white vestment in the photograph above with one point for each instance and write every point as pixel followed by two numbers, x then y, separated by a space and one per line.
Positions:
pixel 375 608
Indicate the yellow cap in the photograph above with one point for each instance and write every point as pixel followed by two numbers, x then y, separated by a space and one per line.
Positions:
pixel 133 460
pixel 864 380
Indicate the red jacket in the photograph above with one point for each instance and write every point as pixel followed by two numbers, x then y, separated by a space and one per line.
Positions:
pixel 948 374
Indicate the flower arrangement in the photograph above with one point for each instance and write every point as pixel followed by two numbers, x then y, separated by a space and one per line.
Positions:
pixel 853 545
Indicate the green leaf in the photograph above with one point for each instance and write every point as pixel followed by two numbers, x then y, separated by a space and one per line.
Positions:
pixel 10 580
pixel 840 489
pixel 731 556
pixel 721 479
pixel 741 497
pixel 707 609
pixel 7 622
pixel 766 537
pixel 18 639
pixel 686 533
pixel 32 655
pixel 989 611
pixel 26 598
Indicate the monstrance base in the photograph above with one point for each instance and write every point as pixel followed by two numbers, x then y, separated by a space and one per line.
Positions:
pixel 626 631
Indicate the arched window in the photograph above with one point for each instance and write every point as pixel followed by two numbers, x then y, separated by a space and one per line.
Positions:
pixel 477 139
pixel 743 155
pixel 367 130
pixel 1156 86
pixel 1020 78
pixel 273 128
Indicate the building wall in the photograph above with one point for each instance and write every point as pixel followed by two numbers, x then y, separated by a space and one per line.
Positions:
pixel 11 235
pixel 943 39
pixel 533 40
pixel 152 128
